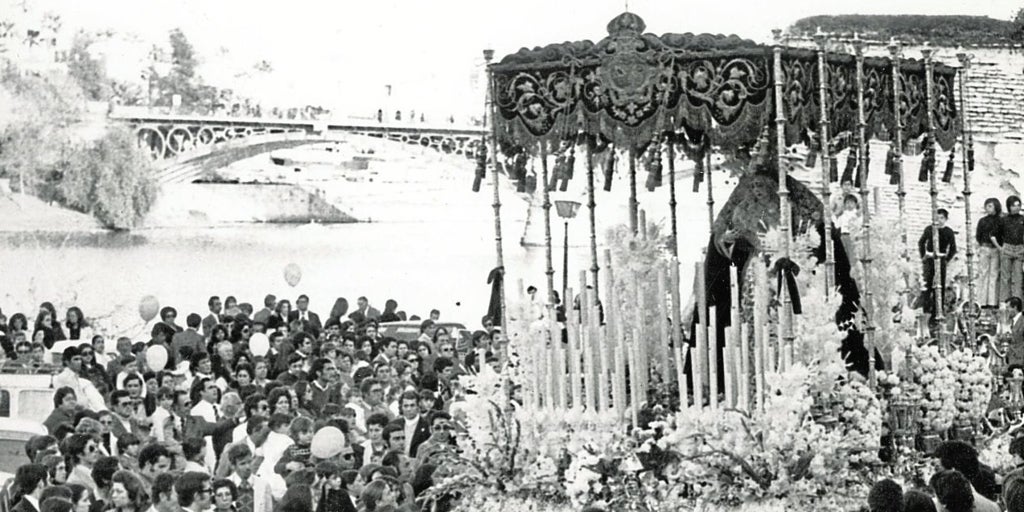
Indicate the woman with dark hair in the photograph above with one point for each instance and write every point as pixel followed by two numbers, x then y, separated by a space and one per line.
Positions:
pixel 378 496
pixel 300 396
pixel 217 335
pixel 127 493
pixel 280 315
pixel 58 332
pixel 261 369
pixel 93 371
pixel 78 327
pixel 989 235
pixel 241 330
pixel 82 453
pixel 44 324
pixel 338 310
pixel 80 497
pixel 17 323
pixel 280 401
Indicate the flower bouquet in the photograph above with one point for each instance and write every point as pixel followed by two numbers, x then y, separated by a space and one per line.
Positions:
pixel 937 385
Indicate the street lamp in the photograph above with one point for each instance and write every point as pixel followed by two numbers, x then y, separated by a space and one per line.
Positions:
pixel 566 210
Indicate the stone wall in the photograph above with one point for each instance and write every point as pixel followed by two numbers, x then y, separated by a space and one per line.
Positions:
pixel 202 204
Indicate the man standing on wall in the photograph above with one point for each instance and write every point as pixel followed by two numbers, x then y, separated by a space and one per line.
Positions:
pixel 946 252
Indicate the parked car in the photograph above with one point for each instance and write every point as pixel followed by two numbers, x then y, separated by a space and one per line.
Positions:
pixel 14 433
pixel 27 393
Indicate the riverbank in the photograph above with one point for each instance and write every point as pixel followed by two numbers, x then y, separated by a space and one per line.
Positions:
pixel 27 213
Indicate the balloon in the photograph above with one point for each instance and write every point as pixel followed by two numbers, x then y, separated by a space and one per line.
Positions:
pixel 292 274
pixel 156 358
pixel 149 307
pixel 259 344
pixel 327 442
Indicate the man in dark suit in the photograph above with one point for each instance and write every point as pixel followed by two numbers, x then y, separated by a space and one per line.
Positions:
pixel 263 316
pixel 1015 352
pixel 417 428
pixel 214 317
pixel 189 337
pixel 31 478
pixel 308 320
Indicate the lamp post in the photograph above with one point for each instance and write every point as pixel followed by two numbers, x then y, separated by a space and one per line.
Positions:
pixel 566 211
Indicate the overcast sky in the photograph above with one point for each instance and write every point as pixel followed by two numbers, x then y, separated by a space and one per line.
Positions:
pixel 344 52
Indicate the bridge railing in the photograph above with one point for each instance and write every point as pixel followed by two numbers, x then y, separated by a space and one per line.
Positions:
pixel 166 115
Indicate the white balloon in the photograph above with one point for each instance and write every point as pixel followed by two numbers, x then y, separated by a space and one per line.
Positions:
pixel 327 442
pixel 292 274
pixel 156 357
pixel 259 344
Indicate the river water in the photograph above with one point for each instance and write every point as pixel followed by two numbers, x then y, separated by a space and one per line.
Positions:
pixel 430 245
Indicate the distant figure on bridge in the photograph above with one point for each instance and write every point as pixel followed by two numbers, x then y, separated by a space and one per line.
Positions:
pixel 380 115
pixel 398 115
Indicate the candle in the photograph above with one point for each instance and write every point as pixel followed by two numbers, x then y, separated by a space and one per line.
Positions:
pixel 663 327
pixel 572 337
pixel 760 319
pixel 727 368
pixel 734 333
pixel 713 357
pixel 681 355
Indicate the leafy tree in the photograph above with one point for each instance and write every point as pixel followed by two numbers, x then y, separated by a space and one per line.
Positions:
pixel 88 72
pixel 112 179
pixel 41 109
pixel 1018 25
pixel 182 79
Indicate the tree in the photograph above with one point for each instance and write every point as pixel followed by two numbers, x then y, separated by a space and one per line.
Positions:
pixel 42 108
pixel 112 179
pixel 88 72
pixel 182 79
pixel 1018 24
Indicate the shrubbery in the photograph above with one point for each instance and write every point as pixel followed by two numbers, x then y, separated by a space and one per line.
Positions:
pixel 44 151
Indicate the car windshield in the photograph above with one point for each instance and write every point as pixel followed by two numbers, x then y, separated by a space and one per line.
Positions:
pixel 12 451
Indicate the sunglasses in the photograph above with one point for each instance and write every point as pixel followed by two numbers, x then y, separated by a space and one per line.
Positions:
pixel 86 354
pixel 348 456
pixel 90 448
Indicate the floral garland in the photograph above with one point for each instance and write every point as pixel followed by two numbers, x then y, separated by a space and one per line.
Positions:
pixel 861 419
pixel 974 385
pixel 936 384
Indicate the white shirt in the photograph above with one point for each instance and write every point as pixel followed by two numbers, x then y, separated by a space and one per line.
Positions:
pixel 239 434
pixel 410 429
pixel 207 411
pixel 32 499
pixel 85 391
pixel 158 418
pixel 273 448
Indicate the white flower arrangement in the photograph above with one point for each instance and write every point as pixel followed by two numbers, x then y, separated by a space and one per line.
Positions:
pixel 861 418
pixel 996 454
pixel 974 384
pixel 937 385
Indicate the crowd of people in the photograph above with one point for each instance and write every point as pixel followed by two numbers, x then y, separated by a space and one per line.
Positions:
pixel 963 484
pixel 332 417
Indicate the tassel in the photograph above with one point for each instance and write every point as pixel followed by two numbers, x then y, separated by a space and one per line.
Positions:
pixel 567 169
pixel 813 147
pixel 556 173
pixel 519 171
pixel 654 167
pixel 927 164
pixel 948 175
pixel 851 166
pixel 609 170
pixel 894 178
pixel 970 155
pixel 833 169
pixel 481 165
pixel 698 174
pixel 890 162
pixel 863 174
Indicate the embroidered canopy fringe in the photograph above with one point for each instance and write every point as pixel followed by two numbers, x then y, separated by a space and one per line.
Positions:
pixel 630 88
